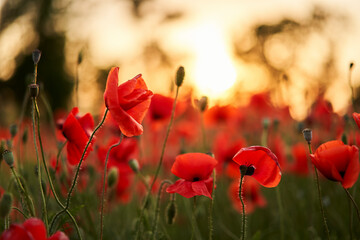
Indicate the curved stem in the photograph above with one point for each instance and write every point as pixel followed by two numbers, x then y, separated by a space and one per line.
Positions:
pixel 157 208
pixel 82 158
pixel 243 230
pixel 39 165
pixel 354 203
pixel 58 155
pixel 103 187
pixel 159 165
pixel 22 213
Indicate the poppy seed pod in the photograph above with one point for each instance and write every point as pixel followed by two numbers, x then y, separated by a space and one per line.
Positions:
pixel 307 134
pixel 36 55
pixel 180 74
pixel 8 157
pixel 34 90
pixel 80 57
pixel 351 65
pixel 5 205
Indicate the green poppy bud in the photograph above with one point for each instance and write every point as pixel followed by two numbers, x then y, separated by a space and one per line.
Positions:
pixel 171 213
pixel 203 103
pixel 8 157
pixel 113 177
pixel 134 165
pixel 13 130
pixel 180 74
pixel 5 205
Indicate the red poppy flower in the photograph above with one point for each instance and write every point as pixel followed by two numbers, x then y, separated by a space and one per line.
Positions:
pixel 32 228
pixel 337 162
pixel 127 102
pixel 195 170
pixel 261 163
pixel 77 131
pixel 251 195
pixel 356 117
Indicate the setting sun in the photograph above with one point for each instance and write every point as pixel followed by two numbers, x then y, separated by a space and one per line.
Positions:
pixel 214 70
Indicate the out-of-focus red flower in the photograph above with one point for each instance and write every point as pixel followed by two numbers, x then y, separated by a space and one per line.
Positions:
pixel 127 102
pixel 195 170
pixel 300 165
pixel 337 162
pixel 120 155
pixel 251 195
pixel 160 108
pixel 356 117
pixel 261 164
pixel 31 229
pixel 77 131
pixel 277 145
pixel 225 148
pixel 220 115
pixel 1 192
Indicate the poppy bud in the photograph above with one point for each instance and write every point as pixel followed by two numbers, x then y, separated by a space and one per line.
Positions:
pixel 36 55
pixel 8 157
pixel 266 123
pixel 13 130
pixel 307 135
pixel 2 149
pixel 113 177
pixel 171 212
pixel 344 138
pixel 203 103
pixel 80 57
pixel 180 74
pixel 134 165
pixel 5 205
pixel 351 65
pixel 25 135
pixel 34 90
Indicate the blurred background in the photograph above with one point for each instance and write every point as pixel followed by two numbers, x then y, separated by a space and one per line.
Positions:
pixel 294 50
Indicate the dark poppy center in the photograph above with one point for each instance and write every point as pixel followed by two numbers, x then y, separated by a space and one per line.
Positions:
pixel 342 174
pixel 247 170
pixel 195 179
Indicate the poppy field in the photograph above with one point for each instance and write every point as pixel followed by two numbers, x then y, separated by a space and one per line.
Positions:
pixel 154 166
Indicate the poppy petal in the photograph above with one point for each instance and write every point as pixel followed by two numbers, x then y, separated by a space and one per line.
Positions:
pixel 193 166
pixel 200 188
pixel 182 187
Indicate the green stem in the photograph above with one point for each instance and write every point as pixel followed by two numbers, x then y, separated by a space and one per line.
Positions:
pixel 203 132
pixel 319 196
pixel 22 213
pixel 103 187
pixel 211 207
pixel 39 166
pixel 354 203
pixel 157 208
pixel 49 177
pixel 243 229
pixel 82 158
pixel 23 107
pixel 159 165
pixel 58 155
pixel 281 212
pixel 26 196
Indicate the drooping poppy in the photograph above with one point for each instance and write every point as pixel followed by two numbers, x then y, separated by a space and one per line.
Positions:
pixel 261 164
pixel 195 170
pixel 128 102
pixel 32 228
pixel 77 131
pixel 250 193
pixel 337 162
